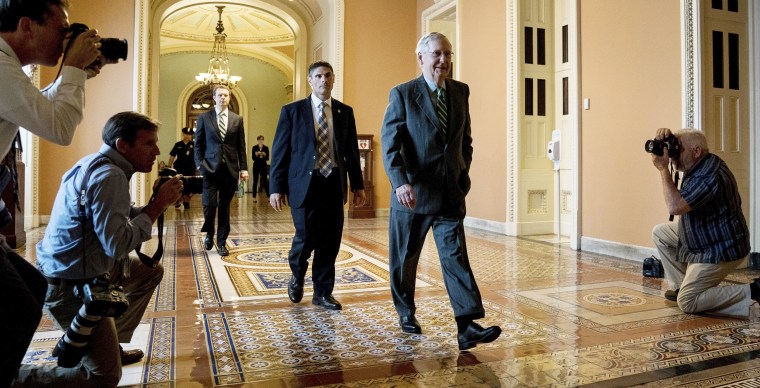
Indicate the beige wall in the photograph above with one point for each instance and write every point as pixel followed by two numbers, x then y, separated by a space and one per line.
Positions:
pixel 107 94
pixel 482 65
pixel 630 71
pixel 378 56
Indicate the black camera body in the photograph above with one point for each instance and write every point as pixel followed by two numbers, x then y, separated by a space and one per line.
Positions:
pixel 657 146
pixel 103 299
pixel 192 184
pixel 112 49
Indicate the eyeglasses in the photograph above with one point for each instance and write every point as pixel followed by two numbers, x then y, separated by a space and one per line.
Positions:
pixel 438 53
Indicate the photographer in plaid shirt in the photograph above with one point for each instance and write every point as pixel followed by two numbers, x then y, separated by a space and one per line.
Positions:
pixel 711 237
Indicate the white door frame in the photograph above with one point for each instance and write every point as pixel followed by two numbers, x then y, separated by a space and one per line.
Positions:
pixel 692 94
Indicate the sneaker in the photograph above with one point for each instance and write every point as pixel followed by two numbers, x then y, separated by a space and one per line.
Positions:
pixel 672 294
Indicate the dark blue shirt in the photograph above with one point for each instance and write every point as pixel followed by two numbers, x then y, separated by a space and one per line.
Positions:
pixel 714 231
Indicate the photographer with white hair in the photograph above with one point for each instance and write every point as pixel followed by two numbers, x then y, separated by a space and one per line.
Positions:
pixel 711 236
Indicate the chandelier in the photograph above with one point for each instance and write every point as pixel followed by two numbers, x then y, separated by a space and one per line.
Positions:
pixel 219 64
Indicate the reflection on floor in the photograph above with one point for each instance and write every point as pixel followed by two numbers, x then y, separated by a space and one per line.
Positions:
pixel 569 318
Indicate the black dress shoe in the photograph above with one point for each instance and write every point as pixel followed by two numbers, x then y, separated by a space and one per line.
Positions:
pixel 474 334
pixel 208 242
pixel 221 247
pixel 295 290
pixel 327 302
pixel 409 324
pixel 672 294
pixel 130 356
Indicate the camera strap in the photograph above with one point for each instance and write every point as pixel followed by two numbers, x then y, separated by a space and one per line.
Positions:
pixel 674 173
pixel 97 162
pixel 153 261
pixel 145 259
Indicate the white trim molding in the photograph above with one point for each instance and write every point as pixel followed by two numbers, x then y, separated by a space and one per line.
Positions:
pixel 513 114
pixel 753 32
pixel 691 64
pixel 616 249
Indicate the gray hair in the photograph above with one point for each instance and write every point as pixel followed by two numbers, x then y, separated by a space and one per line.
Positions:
pixel 422 45
pixel 692 138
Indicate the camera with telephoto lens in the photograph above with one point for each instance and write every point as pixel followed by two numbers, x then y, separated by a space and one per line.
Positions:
pixel 657 146
pixel 192 184
pixel 112 49
pixel 101 299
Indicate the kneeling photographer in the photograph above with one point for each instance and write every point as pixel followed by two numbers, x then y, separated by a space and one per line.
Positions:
pixel 97 290
pixel 711 236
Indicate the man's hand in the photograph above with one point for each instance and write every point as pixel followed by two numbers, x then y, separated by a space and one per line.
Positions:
pixel 278 200
pixel 94 68
pixel 360 197
pixel 661 162
pixel 244 175
pixel 406 196
pixel 662 133
pixel 84 51
pixel 168 193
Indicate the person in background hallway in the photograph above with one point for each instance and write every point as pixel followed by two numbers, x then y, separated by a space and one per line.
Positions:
pixel 182 159
pixel 314 150
pixel 711 236
pixel 427 152
pixel 33 32
pixel 220 158
pixel 95 242
pixel 260 155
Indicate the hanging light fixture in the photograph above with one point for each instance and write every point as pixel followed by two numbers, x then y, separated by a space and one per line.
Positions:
pixel 219 64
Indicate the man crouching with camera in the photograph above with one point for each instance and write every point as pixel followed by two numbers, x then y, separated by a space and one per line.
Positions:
pixel 96 292
pixel 711 237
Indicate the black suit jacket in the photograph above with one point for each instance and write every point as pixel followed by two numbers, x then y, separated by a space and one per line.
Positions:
pixel 209 147
pixel 417 152
pixel 294 150
pixel 259 161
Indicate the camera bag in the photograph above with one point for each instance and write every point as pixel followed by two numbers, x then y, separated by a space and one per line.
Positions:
pixel 653 268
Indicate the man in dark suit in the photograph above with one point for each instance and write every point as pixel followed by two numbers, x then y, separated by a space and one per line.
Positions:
pixel 220 158
pixel 314 150
pixel 260 155
pixel 427 152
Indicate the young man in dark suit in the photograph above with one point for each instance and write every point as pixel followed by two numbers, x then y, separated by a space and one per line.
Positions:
pixel 314 151
pixel 427 152
pixel 220 156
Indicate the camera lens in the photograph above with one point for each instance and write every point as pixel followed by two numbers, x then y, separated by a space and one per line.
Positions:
pixel 114 49
pixel 653 147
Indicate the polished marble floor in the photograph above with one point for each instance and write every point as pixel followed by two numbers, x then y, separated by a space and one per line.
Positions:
pixel 569 318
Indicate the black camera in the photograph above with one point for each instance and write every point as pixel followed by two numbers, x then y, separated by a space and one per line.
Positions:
pixel 192 184
pixel 657 146
pixel 101 299
pixel 112 49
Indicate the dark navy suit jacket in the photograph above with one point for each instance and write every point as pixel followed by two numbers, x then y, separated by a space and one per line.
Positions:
pixel 294 150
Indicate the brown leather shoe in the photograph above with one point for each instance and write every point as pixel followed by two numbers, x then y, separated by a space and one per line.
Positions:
pixel 130 356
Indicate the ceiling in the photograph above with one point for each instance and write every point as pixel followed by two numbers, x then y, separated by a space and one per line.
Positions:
pixel 241 24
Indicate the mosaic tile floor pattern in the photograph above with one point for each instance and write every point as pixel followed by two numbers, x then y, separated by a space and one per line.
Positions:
pixel 569 318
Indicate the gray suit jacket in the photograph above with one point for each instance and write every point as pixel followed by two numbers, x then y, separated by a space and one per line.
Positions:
pixel 417 152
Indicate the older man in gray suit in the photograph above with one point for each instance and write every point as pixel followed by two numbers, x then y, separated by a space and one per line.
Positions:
pixel 427 152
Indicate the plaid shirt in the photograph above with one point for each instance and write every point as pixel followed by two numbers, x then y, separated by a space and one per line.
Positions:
pixel 714 231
